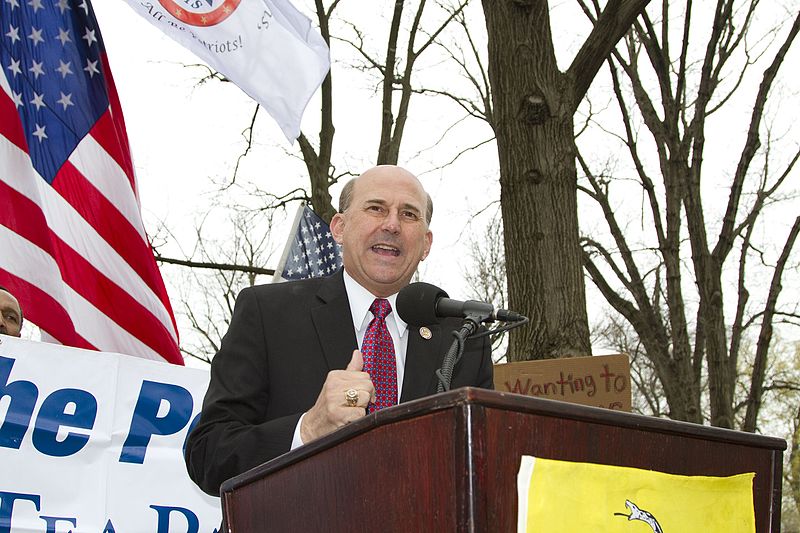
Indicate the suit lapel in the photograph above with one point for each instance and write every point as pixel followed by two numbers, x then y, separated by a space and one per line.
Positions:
pixel 423 358
pixel 333 322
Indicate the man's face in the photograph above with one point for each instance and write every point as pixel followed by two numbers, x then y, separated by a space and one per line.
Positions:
pixel 10 315
pixel 383 233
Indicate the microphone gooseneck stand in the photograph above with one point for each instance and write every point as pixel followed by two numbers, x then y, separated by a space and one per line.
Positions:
pixel 471 323
pixel 453 356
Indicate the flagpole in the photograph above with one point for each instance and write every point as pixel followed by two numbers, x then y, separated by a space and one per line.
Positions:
pixel 277 276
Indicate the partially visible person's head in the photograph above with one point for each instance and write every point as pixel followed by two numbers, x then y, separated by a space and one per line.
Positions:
pixel 10 314
pixel 382 226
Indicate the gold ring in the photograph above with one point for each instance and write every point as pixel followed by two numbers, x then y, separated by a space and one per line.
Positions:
pixel 351 397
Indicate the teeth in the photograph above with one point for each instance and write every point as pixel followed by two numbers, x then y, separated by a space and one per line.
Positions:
pixel 386 248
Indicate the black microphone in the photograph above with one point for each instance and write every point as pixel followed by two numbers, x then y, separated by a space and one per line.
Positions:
pixel 421 303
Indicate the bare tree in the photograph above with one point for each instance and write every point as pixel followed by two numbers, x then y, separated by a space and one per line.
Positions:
pixel 647 393
pixel 223 267
pixel 485 272
pixel 780 416
pixel 534 104
pixel 394 72
pixel 675 284
pixel 793 471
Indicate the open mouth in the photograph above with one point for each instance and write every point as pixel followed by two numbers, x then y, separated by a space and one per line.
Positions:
pixel 386 250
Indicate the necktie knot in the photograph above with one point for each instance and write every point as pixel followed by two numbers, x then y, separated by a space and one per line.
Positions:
pixel 380 308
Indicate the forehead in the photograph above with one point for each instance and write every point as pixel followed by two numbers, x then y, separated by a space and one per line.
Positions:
pixel 7 301
pixel 389 188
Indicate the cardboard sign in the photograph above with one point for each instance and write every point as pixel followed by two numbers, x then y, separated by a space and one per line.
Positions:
pixel 599 381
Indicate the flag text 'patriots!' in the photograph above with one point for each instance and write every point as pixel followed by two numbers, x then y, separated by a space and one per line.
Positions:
pixel 266 47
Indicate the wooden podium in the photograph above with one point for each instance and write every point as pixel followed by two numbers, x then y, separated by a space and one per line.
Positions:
pixel 449 463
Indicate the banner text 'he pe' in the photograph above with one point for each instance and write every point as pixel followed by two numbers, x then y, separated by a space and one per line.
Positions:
pixel 94 442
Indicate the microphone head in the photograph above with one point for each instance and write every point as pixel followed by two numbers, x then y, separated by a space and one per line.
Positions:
pixel 416 303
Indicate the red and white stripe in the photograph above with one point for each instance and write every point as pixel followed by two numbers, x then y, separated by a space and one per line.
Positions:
pixel 75 253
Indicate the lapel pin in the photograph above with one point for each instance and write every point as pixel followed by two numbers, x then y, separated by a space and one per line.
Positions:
pixel 425 333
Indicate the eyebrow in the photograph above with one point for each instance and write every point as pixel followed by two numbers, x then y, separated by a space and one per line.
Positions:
pixel 9 308
pixel 383 202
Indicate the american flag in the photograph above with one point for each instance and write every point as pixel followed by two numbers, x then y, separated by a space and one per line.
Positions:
pixel 73 248
pixel 310 251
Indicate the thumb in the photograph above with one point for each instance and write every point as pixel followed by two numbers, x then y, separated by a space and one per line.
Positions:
pixel 356 362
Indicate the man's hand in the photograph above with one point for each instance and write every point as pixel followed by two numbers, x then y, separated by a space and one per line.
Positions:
pixel 331 410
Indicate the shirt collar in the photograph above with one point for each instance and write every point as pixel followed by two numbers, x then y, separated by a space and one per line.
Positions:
pixel 360 301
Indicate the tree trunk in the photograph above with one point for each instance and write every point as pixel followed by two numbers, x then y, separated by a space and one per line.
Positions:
pixel 533 122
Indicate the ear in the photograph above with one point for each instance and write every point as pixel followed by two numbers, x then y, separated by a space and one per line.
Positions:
pixel 337 227
pixel 428 242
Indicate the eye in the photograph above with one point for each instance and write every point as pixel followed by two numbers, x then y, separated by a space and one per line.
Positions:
pixel 410 215
pixel 375 208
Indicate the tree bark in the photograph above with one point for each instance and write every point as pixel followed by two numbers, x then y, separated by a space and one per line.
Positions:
pixel 538 193
pixel 533 108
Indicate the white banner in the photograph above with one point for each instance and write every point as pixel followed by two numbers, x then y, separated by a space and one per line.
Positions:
pixel 266 47
pixel 94 442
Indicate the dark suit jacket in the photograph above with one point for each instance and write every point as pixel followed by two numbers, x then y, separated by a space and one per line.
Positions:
pixel 282 341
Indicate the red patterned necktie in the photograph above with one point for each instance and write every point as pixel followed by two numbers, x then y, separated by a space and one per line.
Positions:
pixel 379 359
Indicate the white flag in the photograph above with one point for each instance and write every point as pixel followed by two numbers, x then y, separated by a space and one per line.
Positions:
pixel 266 47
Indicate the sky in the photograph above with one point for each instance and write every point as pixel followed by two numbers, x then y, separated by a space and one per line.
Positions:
pixel 186 137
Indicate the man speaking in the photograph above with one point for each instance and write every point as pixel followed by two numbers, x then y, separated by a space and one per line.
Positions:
pixel 301 359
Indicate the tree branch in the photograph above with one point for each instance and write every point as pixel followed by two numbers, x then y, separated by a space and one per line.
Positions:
pixel 752 144
pixel 765 335
pixel 215 266
pixel 612 24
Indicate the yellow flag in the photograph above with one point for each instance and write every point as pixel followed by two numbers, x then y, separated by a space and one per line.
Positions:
pixel 566 496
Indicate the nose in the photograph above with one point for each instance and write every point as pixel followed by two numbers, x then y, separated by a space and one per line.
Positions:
pixel 391 222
